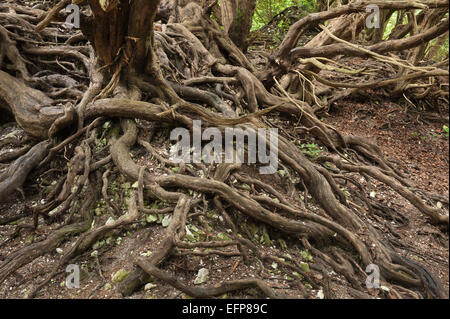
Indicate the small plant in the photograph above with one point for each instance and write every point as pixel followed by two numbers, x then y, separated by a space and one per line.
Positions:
pixel 445 128
pixel 311 150
pixel 430 135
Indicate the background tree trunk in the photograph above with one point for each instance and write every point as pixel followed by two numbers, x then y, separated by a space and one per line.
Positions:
pixel 240 28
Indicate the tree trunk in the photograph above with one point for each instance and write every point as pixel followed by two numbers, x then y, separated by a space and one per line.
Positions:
pixel 133 43
pixel 240 28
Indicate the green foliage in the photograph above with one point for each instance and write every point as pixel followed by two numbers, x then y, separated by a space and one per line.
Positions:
pixel 443 52
pixel 193 234
pixel 445 128
pixel 311 150
pixel 390 25
pixel 267 9
pixel 426 136
pixel 306 255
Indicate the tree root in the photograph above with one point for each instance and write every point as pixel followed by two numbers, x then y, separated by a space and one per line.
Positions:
pixel 313 210
pixel 17 172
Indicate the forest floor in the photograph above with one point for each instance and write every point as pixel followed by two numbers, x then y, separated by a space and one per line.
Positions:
pixel 422 147
pixel 405 133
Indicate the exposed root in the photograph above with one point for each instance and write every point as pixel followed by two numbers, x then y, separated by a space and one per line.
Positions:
pixel 120 104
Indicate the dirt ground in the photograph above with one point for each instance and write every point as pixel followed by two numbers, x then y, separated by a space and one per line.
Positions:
pixel 423 149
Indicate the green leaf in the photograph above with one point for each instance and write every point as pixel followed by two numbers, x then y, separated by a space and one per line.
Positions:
pixel 120 275
pixel 223 237
pixel 104 4
pixel 296 274
pixel 305 267
pixel 151 218
pixel 166 221
pixel 306 255
pixel 282 244
pixel 265 238
pixel 189 236
pixel 98 244
pixel 29 239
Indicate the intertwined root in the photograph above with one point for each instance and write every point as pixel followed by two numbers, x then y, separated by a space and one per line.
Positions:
pixel 203 77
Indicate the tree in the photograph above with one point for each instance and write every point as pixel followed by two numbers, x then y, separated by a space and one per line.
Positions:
pixel 242 23
pixel 139 71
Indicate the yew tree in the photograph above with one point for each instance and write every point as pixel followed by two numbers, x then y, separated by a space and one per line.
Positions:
pixel 138 67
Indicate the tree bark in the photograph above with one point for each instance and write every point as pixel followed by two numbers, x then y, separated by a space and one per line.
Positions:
pixel 240 28
pixel 133 43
